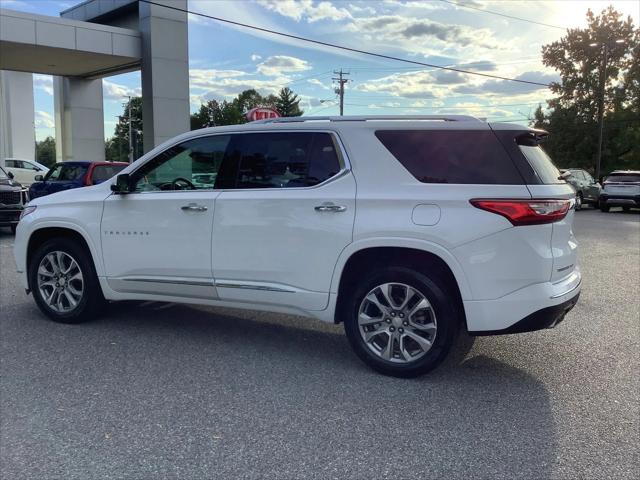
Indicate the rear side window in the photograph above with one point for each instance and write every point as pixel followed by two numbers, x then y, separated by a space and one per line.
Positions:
pixel 279 160
pixel 451 156
pixel 546 171
pixel 105 172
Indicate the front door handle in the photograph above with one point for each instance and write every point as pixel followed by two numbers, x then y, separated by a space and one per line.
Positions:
pixel 330 207
pixel 193 207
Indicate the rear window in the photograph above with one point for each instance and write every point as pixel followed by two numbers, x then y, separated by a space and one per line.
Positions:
pixel 105 172
pixel 541 163
pixel 64 172
pixel 623 178
pixel 452 156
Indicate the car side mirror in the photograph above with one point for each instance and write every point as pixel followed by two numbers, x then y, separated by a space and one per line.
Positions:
pixel 38 178
pixel 122 185
pixel 10 175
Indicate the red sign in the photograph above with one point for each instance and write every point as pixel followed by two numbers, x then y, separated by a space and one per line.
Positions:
pixel 261 113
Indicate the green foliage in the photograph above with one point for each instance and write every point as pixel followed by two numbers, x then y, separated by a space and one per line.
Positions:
pixel 573 113
pixel 117 147
pixel 46 151
pixel 214 113
pixel 288 103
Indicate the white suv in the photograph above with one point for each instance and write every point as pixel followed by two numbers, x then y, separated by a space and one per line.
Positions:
pixel 406 229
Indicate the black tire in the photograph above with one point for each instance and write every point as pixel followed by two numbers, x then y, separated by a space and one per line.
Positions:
pixel 604 208
pixel 91 301
pixel 579 201
pixel 13 229
pixel 442 302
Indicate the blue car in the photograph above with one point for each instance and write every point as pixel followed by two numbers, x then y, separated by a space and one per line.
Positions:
pixel 68 175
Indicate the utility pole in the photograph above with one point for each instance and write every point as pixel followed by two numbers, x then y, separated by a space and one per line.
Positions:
pixel 340 90
pixel 130 136
pixel 603 86
pixel 603 81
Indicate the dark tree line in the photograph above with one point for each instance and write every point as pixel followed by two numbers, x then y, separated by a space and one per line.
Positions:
pixel 572 117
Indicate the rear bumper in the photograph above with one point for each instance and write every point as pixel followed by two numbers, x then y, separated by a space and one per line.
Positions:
pixel 620 200
pixel 535 307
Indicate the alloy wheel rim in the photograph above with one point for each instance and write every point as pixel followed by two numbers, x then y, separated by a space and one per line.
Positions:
pixel 60 281
pixel 397 322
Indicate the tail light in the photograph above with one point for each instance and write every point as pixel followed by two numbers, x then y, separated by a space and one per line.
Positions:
pixel 526 212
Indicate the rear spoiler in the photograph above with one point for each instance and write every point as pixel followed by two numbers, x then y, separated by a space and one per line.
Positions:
pixel 532 138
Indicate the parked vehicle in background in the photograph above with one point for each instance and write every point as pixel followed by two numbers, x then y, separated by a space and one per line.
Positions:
pixel 460 226
pixel 24 171
pixel 621 189
pixel 587 189
pixel 68 175
pixel 13 198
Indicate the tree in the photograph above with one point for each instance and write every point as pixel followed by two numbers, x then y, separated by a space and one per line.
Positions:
pixel 288 103
pixel 117 147
pixel 572 119
pixel 46 151
pixel 214 113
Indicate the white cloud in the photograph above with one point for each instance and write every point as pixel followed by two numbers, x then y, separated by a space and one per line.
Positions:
pixel 44 120
pixel 44 83
pixel 318 83
pixel 306 9
pixel 115 91
pixel 206 84
pixel 279 64
pixel 255 57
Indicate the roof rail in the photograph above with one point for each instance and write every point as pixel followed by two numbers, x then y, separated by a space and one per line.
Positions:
pixel 364 118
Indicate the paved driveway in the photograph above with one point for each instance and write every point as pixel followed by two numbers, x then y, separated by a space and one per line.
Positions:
pixel 165 391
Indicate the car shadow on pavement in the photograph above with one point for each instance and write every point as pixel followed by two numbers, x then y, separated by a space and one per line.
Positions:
pixel 273 398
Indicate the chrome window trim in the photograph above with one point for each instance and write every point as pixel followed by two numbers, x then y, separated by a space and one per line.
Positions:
pixel 341 153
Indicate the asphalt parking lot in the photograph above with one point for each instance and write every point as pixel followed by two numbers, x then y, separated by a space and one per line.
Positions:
pixel 154 391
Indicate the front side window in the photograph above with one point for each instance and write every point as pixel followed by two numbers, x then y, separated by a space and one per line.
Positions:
pixel 279 160
pixel 191 165
pixel 451 156
pixel 62 172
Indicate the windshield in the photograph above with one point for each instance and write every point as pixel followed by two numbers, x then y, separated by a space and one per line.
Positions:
pixel 623 178
pixel 62 172
pixel 3 174
pixel 542 164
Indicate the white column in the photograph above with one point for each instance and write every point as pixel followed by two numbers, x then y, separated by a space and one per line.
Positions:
pixel 17 127
pixel 79 119
pixel 165 71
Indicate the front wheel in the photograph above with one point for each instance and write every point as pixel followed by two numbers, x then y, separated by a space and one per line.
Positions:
pixel 604 208
pixel 64 282
pixel 401 322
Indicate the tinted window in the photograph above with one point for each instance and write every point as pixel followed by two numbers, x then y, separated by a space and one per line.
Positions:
pixel 64 172
pixel 279 160
pixel 105 172
pixel 623 177
pixel 10 163
pixel 191 165
pixel 588 177
pixel 546 171
pixel 453 156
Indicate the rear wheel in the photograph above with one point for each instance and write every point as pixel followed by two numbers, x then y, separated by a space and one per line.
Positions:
pixel 401 322
pixel 64 282
pixel 604 208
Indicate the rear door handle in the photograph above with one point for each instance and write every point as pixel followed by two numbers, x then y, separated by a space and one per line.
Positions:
pixel 193 207
pixel 330 207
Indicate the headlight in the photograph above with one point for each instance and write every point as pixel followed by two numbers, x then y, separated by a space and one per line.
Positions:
pixel 27 210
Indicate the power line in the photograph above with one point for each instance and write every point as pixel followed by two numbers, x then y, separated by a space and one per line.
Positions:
pixel 348 49
pixel 464 5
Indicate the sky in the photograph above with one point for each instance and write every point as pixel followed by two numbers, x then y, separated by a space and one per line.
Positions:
pixel 225 60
